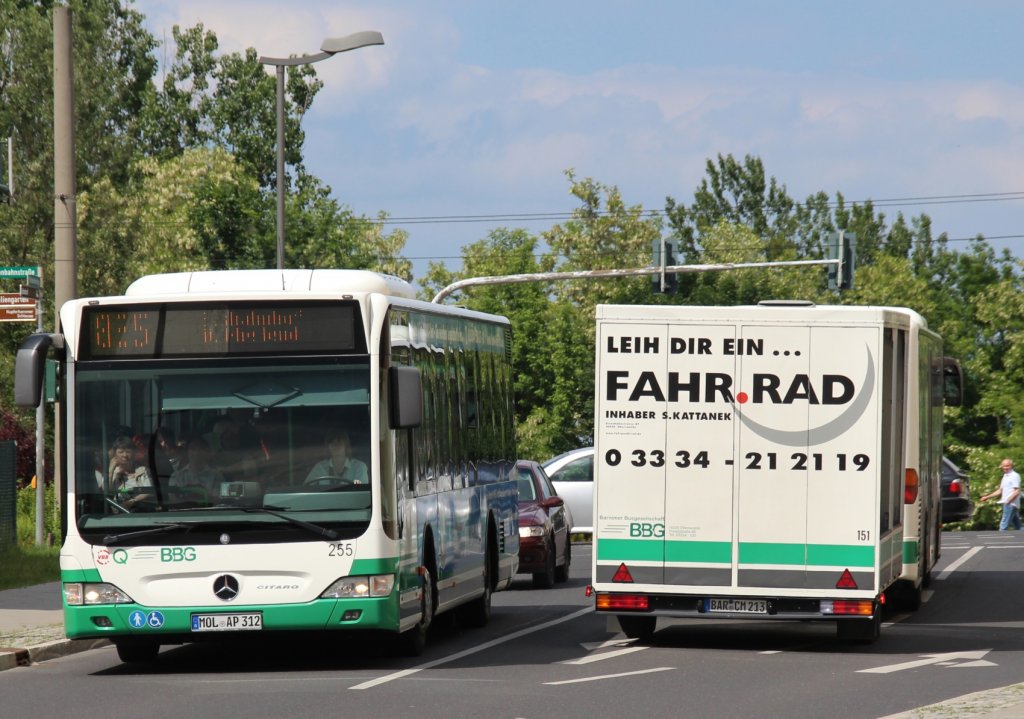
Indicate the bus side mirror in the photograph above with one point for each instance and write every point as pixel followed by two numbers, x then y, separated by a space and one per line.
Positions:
pixel 406 397
pixel 952 382
pixel 30 368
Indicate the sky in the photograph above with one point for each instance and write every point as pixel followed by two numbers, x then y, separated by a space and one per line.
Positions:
pixel 480 108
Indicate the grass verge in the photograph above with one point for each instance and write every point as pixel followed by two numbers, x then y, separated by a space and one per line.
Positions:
pixel 26 564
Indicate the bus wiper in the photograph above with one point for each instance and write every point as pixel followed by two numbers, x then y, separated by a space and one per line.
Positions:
pixel 309 526
pixel 115 538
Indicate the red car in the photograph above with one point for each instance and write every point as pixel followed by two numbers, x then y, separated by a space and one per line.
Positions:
pixel 545 548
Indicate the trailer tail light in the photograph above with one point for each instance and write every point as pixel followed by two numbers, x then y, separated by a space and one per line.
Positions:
pixel 910 486
pixel 622 602
pixel 849 607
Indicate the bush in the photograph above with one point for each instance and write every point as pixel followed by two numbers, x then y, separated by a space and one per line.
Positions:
pixel 25 511
pixel 25 469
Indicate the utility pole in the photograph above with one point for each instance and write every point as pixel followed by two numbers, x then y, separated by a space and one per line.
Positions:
pixel 65 271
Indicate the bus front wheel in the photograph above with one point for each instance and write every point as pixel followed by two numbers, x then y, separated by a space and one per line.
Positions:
pixel 132 651
pixel 415 639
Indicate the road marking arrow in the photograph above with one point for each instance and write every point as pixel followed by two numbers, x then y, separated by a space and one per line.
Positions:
pixel 591 646
pixel 952 659
pixel 604 655
pixel 610 676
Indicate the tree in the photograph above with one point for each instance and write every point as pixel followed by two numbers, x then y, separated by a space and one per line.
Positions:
pixel 228 101
pixel 113 63
pixel 528 307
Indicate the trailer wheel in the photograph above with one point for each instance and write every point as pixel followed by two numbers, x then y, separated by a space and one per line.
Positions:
pixel 860 631
pixel 905 596
pixel 636 627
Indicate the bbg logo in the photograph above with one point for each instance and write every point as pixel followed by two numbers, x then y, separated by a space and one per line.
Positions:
pixel 178 554
pixel 646 529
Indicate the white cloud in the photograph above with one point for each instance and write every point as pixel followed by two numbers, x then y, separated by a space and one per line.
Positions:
pixel 424 123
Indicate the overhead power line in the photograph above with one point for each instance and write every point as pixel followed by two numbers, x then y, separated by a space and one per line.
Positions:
pixel 571 214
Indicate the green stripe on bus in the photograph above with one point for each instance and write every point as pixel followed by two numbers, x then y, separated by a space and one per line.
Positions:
pixel 656 550
pixel 374 566
pixel 80 575
pixel 840 555
pixel 635 550
pixel 812 555
pixel 711 552
pixel 652 550
pixel 911 552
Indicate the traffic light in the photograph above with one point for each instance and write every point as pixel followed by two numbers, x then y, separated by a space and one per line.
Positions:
pixel 842 246
pixel 667 259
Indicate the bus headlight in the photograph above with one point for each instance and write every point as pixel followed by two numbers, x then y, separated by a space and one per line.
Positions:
pixel 77 594
pixel 376 585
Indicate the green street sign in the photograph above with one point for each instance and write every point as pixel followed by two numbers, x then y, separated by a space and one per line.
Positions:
pixel 19 273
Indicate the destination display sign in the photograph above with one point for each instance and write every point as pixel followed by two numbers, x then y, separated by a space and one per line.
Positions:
pixel 196 329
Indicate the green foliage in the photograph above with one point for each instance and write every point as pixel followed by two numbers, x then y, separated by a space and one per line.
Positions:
pixel 25 563
pixel 25 516
pixel 180 174
pixel 26 566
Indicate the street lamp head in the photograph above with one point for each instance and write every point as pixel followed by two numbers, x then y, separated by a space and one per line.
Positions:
pixel 330 46
pixel 334 45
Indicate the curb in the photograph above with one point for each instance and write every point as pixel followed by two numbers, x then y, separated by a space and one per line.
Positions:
pixel 11 657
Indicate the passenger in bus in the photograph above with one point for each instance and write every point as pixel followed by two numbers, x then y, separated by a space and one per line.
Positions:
pixel 127 482
pixel 198 475
pixel 340 464
pixel 238 452
pixel 170 456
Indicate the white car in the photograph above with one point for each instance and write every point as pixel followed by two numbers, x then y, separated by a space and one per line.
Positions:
pixel 572 474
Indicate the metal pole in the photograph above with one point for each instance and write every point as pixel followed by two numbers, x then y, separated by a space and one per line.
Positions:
pixel 40 447
pixel 280 167
pixel 65 271
pixel 329 47
pixel 617 273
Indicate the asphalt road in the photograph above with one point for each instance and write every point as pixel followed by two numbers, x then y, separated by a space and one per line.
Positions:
pixel 544 654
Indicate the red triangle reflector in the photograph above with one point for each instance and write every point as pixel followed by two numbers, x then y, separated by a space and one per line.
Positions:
pixel 846 581
pixel 622 574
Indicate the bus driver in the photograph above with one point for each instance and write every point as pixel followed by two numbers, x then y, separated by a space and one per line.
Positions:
pixel 340 463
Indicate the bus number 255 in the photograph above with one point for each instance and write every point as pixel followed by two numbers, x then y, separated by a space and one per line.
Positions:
pixel 340 549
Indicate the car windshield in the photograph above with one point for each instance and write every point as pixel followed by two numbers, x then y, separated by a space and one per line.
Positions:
pixel 186 443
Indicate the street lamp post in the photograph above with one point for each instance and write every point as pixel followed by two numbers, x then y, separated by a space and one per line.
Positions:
pixel 329 47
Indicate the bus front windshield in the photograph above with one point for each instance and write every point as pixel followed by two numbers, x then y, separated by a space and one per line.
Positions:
pixel 258 445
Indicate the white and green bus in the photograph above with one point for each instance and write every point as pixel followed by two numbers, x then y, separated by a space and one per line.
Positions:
pixel 201 416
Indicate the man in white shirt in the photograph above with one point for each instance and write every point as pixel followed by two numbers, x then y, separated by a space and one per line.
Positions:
pixel 1009 496
pixel 341 463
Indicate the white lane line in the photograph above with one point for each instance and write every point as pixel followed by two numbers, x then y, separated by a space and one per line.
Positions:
pixel 472 650
pixel 605 655
pixel 609 676
pixel 958 563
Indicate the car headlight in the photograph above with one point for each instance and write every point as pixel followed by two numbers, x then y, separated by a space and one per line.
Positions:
pixel 77 594
pixel 533 530
pixel 377 585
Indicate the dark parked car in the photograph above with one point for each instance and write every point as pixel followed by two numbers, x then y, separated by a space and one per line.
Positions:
pixel 545 549
pixel 956 493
